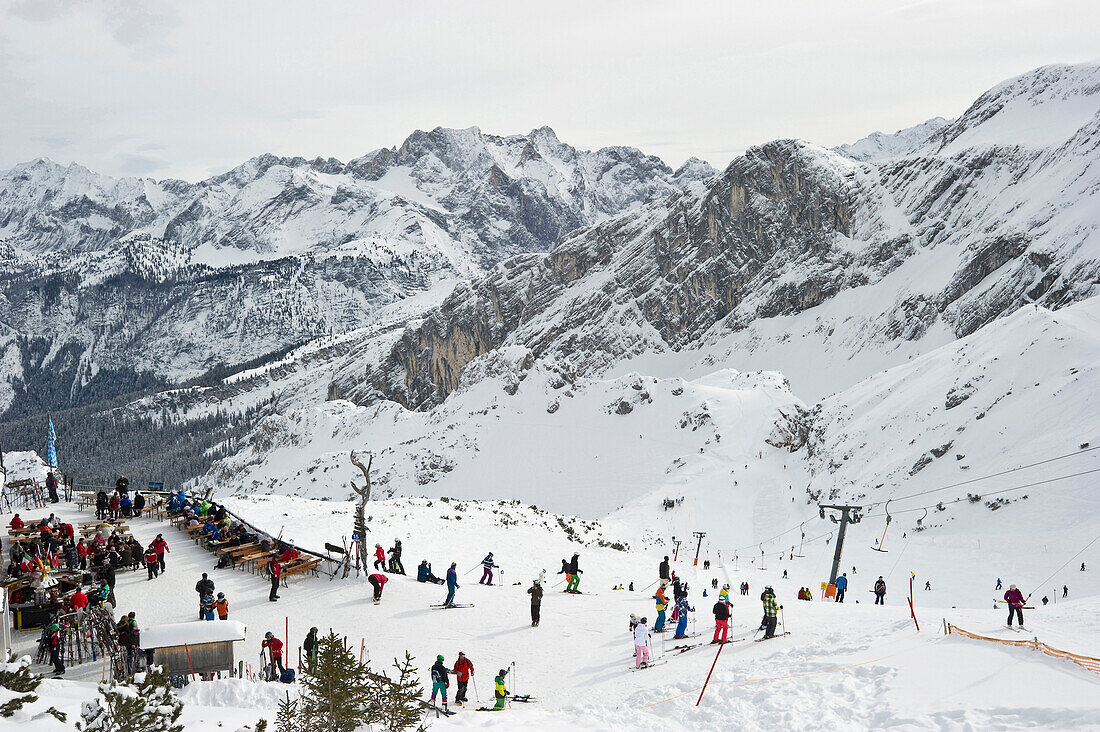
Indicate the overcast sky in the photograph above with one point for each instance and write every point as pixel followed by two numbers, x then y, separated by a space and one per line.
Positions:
pixel 189 88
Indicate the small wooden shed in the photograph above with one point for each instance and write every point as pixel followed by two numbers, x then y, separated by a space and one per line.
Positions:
pixel 199 647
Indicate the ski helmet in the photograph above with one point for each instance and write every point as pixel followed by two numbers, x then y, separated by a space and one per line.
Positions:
pixel 439 657
pixel 221 595
pixel 490 554
pixel 633 615
pixel 313 629
pixel 645 620
pixel 725 586
pixel 767 587
pixel 461 653
pixel 268 634
pixel 503 672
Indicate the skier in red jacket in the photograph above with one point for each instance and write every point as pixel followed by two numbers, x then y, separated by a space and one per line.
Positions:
pixel 162 548
pixel 463 670
pixel 377 581
pixel 274 648
pixel 1015 600
pixel 379 557
pixel 152 561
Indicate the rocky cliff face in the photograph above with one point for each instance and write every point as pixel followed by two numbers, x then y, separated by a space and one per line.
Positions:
pixel 952 232
pixel 170 279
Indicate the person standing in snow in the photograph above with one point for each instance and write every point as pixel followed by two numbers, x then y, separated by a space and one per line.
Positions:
pixel 683 609
pixel 662 604
pixel 377 581
pixel 379 557
pixel 162 548
pixel 487 565
pixel 880 591
pixel 54 638
pixel 841 586
pixel 463 670
pixel 207 605
pixel 1065 590
pixel 998 584
pixel 575 572
pixel 51 487
pixel 721 621
pixel 276 573
pixel 309 645
pixel 663 573
pixel 771 611
pixel 274 648
pixel 395 558
pixel 452 585
pixel 204 587
pixel 498 689
pixel 151 562
pixel 222 606
pixel 122 485
pixel 1015 600
pixel 641 644
pixel 439 680
pixel 535 591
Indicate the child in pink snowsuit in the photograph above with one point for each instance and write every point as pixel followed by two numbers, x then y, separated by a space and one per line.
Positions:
pixel 641 644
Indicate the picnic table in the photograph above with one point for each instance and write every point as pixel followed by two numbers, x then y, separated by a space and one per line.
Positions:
pixel 301 565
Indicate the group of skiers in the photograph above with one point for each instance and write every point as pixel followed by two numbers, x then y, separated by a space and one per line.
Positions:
pixel 463 671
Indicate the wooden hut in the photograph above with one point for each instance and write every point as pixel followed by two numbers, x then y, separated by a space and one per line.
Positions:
pixel 197 647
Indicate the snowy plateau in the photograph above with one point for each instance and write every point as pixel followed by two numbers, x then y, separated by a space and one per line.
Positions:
pixel 539 347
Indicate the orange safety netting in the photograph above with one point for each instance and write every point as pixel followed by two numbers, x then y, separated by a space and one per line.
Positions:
pixel 1086 662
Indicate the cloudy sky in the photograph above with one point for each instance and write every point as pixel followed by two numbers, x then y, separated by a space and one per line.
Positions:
pixel 186 89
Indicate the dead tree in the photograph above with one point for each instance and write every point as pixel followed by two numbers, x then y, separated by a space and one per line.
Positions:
pixel 361 507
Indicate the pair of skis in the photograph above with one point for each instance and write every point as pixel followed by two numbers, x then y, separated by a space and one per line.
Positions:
pixel 452 605
pixel 777 635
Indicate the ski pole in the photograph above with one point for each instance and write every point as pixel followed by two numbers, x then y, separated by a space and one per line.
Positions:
pixel 783 618
pixel 473 677
pixel 650 584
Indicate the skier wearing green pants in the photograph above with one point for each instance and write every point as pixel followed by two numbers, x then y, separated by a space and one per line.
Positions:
pixel 574 575
pixel 501 692
pixel 439 680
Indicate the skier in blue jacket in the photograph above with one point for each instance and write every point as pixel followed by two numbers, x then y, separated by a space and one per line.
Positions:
pixel 683 609
pixel 841 586
pixel 452 585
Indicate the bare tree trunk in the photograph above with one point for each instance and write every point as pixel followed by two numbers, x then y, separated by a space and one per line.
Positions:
pixel 361 506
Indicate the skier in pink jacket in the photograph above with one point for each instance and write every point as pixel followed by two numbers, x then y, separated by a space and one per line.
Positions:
pixel 1015 600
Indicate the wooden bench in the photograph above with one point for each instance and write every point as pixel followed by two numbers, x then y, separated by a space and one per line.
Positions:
pixel 300 565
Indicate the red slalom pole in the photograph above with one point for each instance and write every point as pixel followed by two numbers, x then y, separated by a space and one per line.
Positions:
pixel 704 689
pixel 912 612
pixel 286 634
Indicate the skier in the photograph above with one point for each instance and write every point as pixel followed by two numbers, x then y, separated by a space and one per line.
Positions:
pixel 663 573
pixel 1045 599
pixel 574 575
pixel 204 587
pixel 452 585
pixel 928 585
pixel 771 611
pixel 998 584
pixel 309 645
pixel 395 558
pixel 499 690
pixel 785 573
pixel 487 564
pixel 424 574
pixel 276 570
pixel 724 594
pixel 641 644
pixel 207 606
pixel 51 487
pixel 151 562
pixel 463 670
pixel 55 649
pixel 721 621
pixel 535 591
pixel 162 547
pixel 662 604
pixel 439 680
pixel 274 648
pixel 1015 600
pixel 681 627
pixel 744 588
pixel 880 591
pixel 222 606
pixel 377 581
pixel 379 557
pixel 841 586
pixel 1082 566
pixel 1065 590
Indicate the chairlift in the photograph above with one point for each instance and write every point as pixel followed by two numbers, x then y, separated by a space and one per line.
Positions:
pixel 802 527
pixel 882 541
pixel 920 521
pixel 763 558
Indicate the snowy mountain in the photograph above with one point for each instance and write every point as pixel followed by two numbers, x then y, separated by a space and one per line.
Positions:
pixel 887 256
pixel 167 280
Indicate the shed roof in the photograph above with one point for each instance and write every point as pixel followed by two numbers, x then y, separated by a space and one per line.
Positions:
pixel 198 631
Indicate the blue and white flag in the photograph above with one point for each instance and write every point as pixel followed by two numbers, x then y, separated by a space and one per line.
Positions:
pixel 51 445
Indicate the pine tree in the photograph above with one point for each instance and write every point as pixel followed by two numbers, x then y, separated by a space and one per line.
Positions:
pixel 16 676
pixel 148 707
pixel 336 692
pixel 288 718
pixel 398 700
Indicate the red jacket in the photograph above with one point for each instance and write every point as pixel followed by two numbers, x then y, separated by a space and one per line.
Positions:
pixel 463 669
pixel 114 502
pixel 67 531
pixel 381 579
pixel 276 568
pixel 78 600
pixel 160 545
pixel 380 554
pixel 1014 598
pixel 151 556
pixel 274 645
pixel 17 523
pixel 82 549
pixel 289 555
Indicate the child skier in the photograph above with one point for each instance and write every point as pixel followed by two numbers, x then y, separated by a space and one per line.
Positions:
pixel 500 692
pixel 662 603
pixel 682 609
pixel 222 606
pixel 207 607
pixel 641 644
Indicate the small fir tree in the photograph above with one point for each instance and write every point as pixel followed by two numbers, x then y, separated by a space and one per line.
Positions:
pixel 288 717
pixel 336 692
pixel 398 700
pixel 16 676
pixel 148 707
